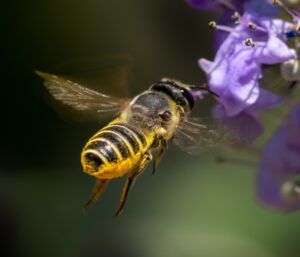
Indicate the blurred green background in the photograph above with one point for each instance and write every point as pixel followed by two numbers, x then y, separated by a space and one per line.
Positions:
pixel 192 207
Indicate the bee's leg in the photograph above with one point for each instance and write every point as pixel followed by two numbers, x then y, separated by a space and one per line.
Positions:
pixel 97 191
pixel 162 148
pixel 130 179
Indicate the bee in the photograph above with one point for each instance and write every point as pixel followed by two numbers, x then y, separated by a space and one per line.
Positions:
pixel 142 124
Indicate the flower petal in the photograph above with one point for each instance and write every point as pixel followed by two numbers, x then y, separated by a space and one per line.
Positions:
pixel 216 4
pixel 205 64
pixel 246 125
pixel 261 8
pixel 204 4
pixel 266 100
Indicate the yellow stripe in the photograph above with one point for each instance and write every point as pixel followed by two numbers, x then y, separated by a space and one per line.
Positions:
pixel 104 160
pixel 118 153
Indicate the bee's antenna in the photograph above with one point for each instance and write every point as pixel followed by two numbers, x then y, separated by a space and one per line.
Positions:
pixel 205 88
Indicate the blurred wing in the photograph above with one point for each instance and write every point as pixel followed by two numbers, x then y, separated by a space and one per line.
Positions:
pixel 197 135
pixel 112 72
pixel 79 97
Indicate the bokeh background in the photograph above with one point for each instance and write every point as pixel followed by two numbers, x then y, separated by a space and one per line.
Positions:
pixel 192 207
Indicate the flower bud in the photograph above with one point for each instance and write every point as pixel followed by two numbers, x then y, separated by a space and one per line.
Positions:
pixel 291 189
pixel 290 70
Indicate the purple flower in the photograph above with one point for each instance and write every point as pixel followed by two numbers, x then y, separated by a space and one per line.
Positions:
pixel 217 4
pixel 278 182
pixel 235 72
pixel 246 124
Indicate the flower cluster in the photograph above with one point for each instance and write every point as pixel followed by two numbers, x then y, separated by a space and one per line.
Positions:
pixel 256 36
pixel 235 72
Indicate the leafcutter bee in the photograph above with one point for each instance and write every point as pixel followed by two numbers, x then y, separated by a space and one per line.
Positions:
pixel 142 124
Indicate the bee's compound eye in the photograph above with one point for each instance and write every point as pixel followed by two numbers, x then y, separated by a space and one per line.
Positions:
pixel 166 115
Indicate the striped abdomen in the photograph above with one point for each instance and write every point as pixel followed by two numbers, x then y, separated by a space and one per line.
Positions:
pixel 114 150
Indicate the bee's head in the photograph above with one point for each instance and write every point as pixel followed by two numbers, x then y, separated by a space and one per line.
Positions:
pixel 183 95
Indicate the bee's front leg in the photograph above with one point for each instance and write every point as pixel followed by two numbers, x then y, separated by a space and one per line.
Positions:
pixel 162 148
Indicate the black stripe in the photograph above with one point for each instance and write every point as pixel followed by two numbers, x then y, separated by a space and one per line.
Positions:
pixel 104 149
pixel 117 141
pixel 127 135
pixel 138 133
pixel 93 161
